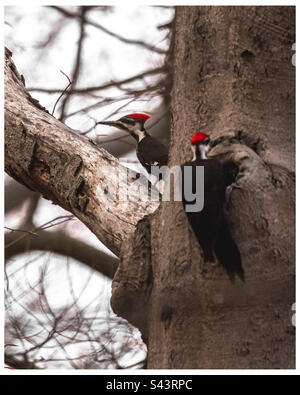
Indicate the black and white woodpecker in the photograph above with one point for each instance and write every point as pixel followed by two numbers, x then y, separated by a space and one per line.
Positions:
pixel 149 150
pixel 209 224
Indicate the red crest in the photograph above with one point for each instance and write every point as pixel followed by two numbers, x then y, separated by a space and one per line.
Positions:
pixel 198 138
pixel 140 117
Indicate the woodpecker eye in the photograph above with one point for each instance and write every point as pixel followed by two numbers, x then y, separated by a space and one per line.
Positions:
pixel 127 121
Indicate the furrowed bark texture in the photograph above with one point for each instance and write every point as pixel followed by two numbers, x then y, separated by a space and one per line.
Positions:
pixel 47 156
pixel 233 78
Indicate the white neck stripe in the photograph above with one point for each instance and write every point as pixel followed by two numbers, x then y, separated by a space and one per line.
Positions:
pixel 203 150
pixel 194 153
pixel 141 135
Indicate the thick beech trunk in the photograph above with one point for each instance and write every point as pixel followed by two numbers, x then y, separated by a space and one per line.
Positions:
pixel 233 78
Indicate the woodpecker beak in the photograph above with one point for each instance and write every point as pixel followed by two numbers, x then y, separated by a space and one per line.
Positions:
pixel 116 124
pixel 110 123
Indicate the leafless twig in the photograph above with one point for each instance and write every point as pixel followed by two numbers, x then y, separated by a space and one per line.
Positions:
pixel 78 60
pixel 83 91
pixel 48 224
pixel 21 230
pixel 63 92
pixel 109 32
pixel 49 334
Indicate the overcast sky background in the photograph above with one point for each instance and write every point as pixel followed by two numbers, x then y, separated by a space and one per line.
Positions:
pixel 105 58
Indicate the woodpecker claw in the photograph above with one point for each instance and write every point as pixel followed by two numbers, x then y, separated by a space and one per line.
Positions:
pixel 229 190
pixel 235 185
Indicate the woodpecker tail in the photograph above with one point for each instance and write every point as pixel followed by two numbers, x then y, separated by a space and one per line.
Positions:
pixel 228 254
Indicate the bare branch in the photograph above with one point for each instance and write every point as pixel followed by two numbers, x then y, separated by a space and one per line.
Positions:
pixel 21 230
pixel 63 166
pixel 83 91
pixel 60 243
pixel 110 33
pixel 14 363
pixel 48 224
pixel 52 36
pixel 103 340
pixel 78 60
pixel 63 92
pixel 31 209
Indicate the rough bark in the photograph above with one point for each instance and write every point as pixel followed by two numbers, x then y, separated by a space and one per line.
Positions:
pixel 47 156
pixel 234 79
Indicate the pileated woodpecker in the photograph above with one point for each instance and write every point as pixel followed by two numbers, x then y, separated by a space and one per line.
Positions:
pixel 150 151
pixel 209 224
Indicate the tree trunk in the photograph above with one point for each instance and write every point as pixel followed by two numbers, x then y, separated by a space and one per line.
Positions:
pixel 233 78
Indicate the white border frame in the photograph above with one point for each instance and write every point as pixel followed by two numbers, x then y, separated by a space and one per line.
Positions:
pixel 137 373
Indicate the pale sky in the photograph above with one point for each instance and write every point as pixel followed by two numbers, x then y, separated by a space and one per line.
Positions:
pixel 105 59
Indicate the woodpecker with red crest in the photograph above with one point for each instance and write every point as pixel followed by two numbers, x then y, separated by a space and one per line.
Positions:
pixel 149 150
pixel 209 224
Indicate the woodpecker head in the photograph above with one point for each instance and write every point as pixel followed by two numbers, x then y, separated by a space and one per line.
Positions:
pixel 200 145
pixel 132 123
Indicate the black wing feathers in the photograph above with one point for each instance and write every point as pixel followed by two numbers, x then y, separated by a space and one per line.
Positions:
pixel 209 225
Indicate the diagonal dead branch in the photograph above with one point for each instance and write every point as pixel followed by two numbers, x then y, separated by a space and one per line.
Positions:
pixel 49 157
